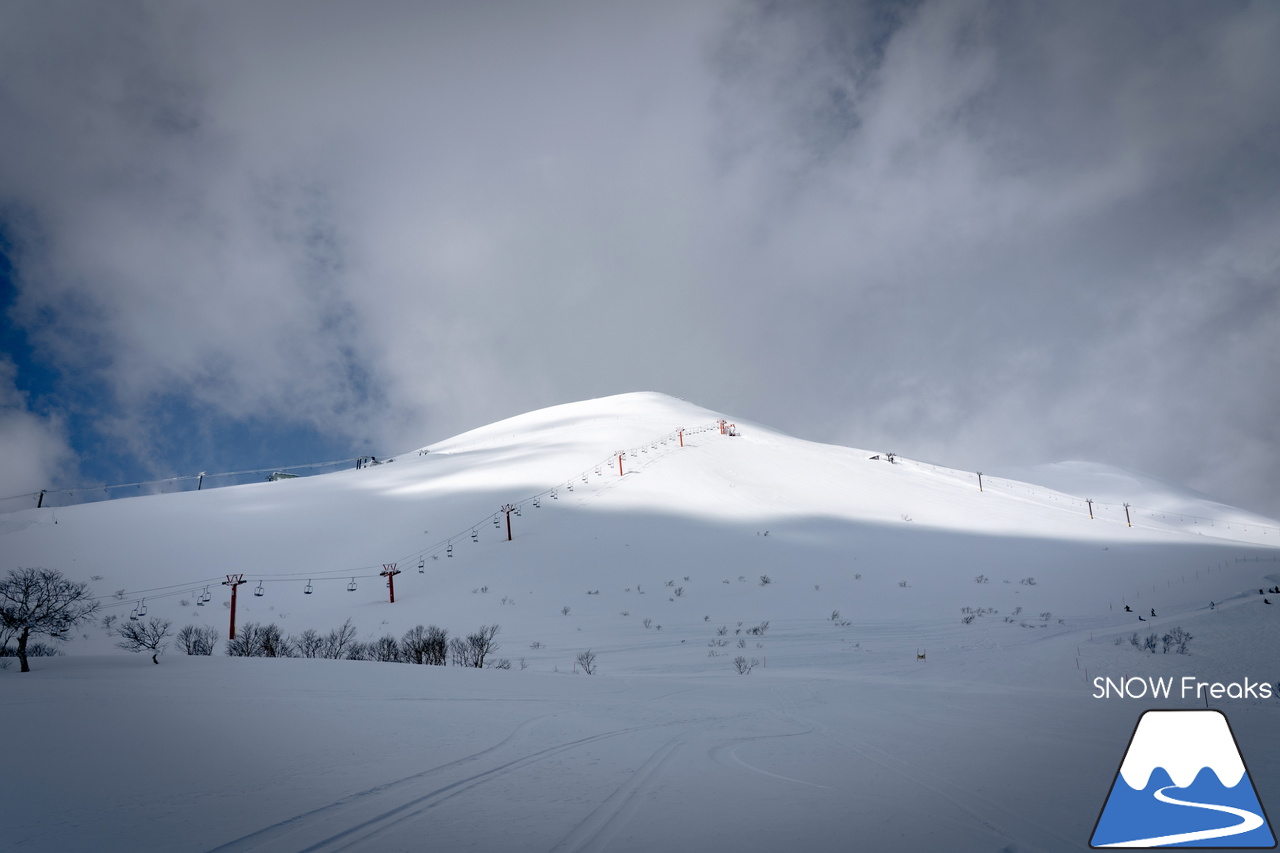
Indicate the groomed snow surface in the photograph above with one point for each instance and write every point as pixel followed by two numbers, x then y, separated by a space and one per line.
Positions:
pixel 839 738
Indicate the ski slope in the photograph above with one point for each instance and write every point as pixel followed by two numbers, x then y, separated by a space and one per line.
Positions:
pixel 840 735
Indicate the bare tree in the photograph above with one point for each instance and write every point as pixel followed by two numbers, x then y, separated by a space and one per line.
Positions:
pixel 428 645
pixel 255 640
pixel 151 635
pixel 42 601
pixel 339 642
pixel 587 660
pixel 198 639
pixel 475 648
pixel 385 649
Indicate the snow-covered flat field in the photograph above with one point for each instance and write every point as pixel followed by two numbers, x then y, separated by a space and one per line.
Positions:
pixel 830 573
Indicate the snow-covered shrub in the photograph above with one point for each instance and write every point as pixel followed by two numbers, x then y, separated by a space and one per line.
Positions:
pixel 743 666
pixel 587 660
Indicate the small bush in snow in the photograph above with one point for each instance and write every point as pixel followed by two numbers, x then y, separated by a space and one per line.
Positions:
pixel 648 623
pixel 565 610
pixel 968 620
pixel 1180 638
pixel 587 660
pixel 743 666
pixel 765 580
pixel 1028 581
pixel 982 579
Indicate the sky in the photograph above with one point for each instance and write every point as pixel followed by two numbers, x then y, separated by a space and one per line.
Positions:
pixel 977 233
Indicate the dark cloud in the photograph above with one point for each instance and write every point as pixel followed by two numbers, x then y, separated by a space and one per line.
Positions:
pixel 979 232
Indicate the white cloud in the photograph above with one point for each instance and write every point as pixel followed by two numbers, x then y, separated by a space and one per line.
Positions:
pixel 34 453
pixel 960 229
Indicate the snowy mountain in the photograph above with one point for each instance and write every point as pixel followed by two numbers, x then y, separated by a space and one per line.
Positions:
pixel 902 626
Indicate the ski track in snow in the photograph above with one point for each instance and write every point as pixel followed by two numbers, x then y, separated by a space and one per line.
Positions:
pixel 1009 827
pixel 346 825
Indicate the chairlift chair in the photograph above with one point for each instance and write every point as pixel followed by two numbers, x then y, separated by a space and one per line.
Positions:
pixel 449 552
pixel 536 504
pixel 422 565
pixel 475 537
pixel 307 590
pixel 142 607
pixel 351 587
pixel 134 614
pixel 259 592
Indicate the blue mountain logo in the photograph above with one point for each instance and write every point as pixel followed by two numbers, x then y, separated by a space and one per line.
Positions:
pixel 1183 783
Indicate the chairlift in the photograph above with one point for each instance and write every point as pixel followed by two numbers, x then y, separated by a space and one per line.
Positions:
pixel 449 551
pixel 584 477
pixel 351 587
pixel 517 512
pixel 134 614
pixel 200 600
pixel 422 565
pixel 142 607
pixel 259 592
pixel 536 504
pixel 475 537
pixel 307 590
pixel 496 523
pixel 553 495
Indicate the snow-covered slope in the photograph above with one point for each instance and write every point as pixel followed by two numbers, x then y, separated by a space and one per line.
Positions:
pixel 668 571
